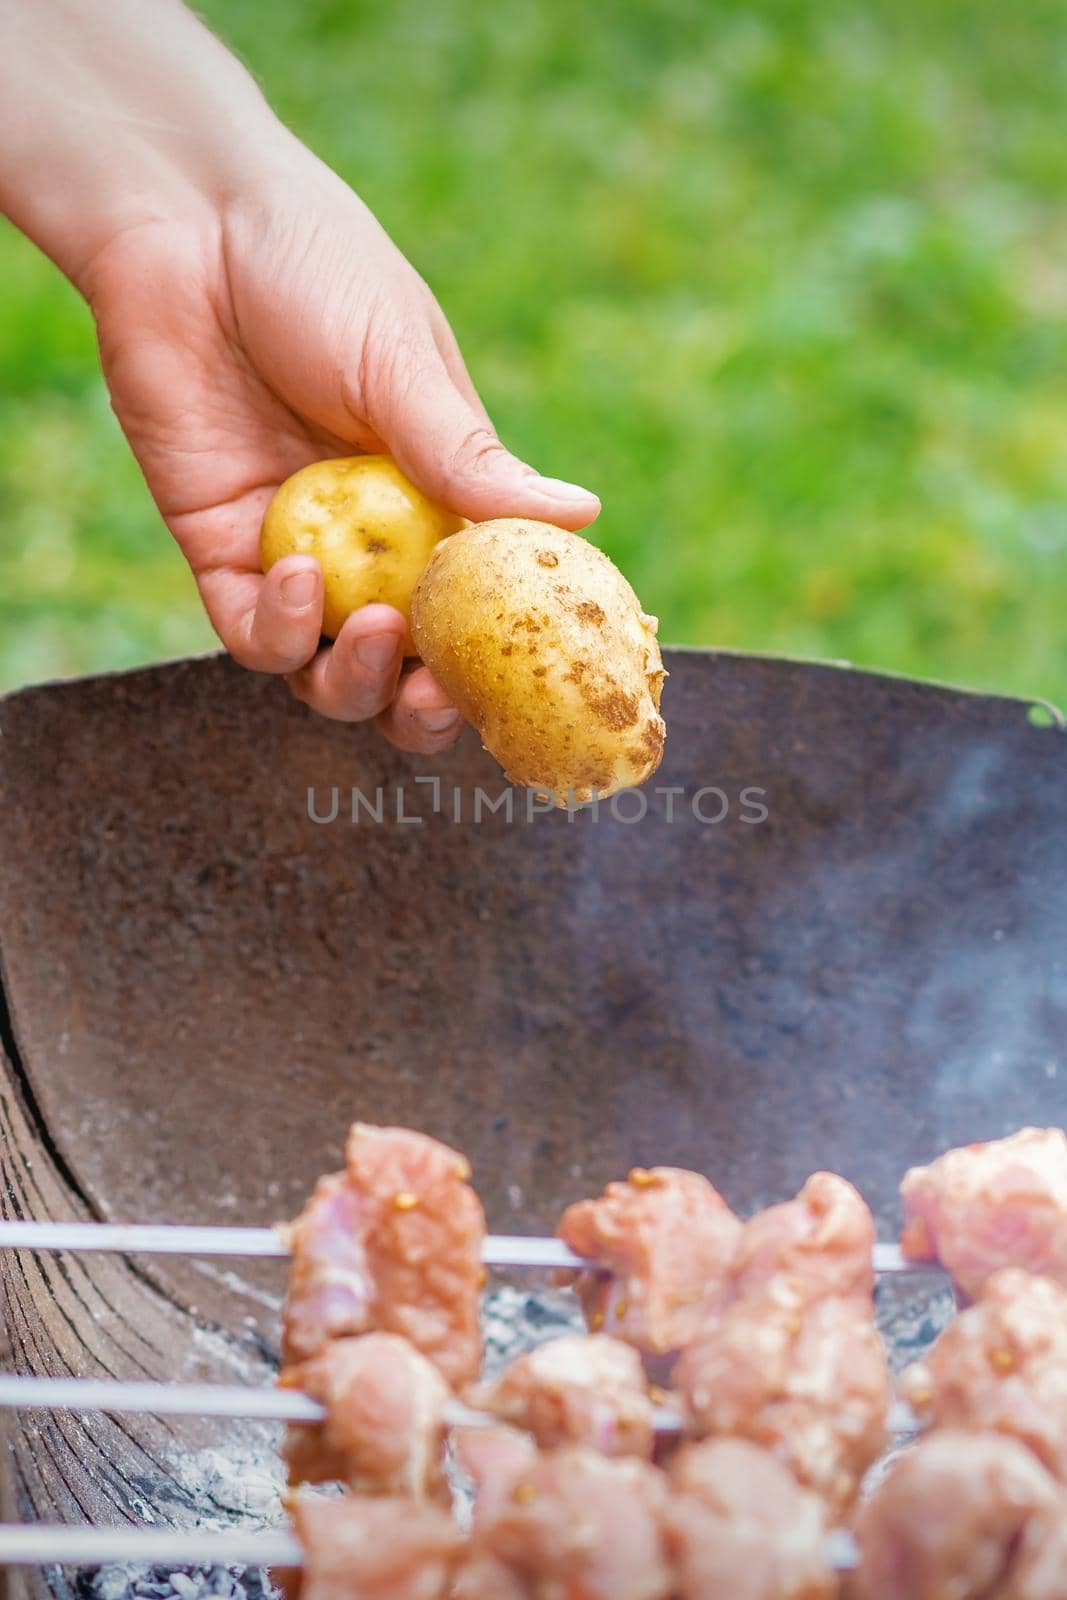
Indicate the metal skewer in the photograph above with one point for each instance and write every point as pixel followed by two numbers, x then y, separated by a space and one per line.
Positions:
pixel 39 1544
pixel 210 1400
pixel 158 1399
pixel 163 1239
pixel 499 1250
pixel 234 1400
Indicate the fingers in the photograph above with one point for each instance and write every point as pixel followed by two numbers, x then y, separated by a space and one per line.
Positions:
pixel 356 677
pixel 443 440
pixel 269 624
pixel 420 717
pixel 274 623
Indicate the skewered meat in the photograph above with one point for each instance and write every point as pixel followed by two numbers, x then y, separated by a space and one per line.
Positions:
pixel 495 1459
pixel 577 1389
pixel 987 1206
pixel 741 1528
pixel 384 1431
pixel 807 1381
pixel 667 1237
pixel 392 1244
pixel 823 1240
pixel 1039 1571
pixel 574 1524
pixel 356 1549
pixel 1001 1366
pixel 946 1521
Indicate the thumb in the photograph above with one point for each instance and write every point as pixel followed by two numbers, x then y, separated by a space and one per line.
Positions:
pixel 448 447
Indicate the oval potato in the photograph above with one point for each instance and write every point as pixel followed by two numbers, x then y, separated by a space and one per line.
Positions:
pixel 541 643
pixel 370 530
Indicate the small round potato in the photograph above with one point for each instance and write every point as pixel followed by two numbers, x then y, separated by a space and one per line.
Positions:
pixel 370 530
pixel 541 643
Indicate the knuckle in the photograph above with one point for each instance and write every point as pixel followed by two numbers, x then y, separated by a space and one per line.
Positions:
pixel 255 656
pixel 476 452
pixel 286 661
pixel 392 357
pixel 344 699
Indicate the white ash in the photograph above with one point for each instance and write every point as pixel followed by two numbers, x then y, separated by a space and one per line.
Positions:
pixel 911 1313
pixel 166 1583
pixel 239 1484
pixel 514 1320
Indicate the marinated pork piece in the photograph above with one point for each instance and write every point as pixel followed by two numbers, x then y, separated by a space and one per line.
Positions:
pixel 577 1389
pixel 1001 1367
pixel 574 1526
pixel 1039 1571
pixel 393 1244
pixel 823 1240
pixel 988 1206
pixel 667 1238
pixel 494 1459
pixel 741 1528
pixel 384 1431
pixel 356 1549
pixel 807 1381
pixel 330 1289
pixel 946 1520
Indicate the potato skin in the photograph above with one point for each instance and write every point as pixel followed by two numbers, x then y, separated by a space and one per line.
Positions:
pixel 371 531
pixel 541 643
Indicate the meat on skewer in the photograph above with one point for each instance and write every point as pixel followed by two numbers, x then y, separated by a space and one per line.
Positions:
pixel 392 1244
pixel 1001 1367
pixel 732 1524
pixel 741 1528
pixel 808 1381
pixel 578 1389
pixel 571 1523
pixel 823 1240
pixel 667 1238
pixel 987 1206
pixel 1039 1571
pixel 360 1549
pixel 949 1520
pixel 677 1255
pixel 384 1431
pixel 494 1459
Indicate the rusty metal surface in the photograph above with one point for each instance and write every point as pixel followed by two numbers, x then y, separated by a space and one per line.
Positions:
pixel 205 986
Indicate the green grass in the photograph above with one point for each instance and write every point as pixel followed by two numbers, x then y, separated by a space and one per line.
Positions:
pixel 785 282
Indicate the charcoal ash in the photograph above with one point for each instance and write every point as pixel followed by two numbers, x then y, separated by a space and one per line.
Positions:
pixel 911 1313
pixel 518 1319
pixel 166 1583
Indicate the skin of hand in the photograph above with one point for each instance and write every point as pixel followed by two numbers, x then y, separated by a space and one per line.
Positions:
pixel 252 316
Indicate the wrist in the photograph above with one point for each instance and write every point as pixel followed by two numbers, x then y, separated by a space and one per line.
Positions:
pixel 150 121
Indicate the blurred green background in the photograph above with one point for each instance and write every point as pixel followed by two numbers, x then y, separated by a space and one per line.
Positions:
pixel 785 282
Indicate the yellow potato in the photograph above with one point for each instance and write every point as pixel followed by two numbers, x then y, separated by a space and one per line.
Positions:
pixel 370 530
pixel 541 643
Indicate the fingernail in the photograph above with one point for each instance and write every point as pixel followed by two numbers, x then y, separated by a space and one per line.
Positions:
pixel 438 721
pixel 300 589
pixel 376 651
pixel 556 489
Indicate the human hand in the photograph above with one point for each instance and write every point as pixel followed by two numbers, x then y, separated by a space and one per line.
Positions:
pixel 239 348
pixel 252 317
